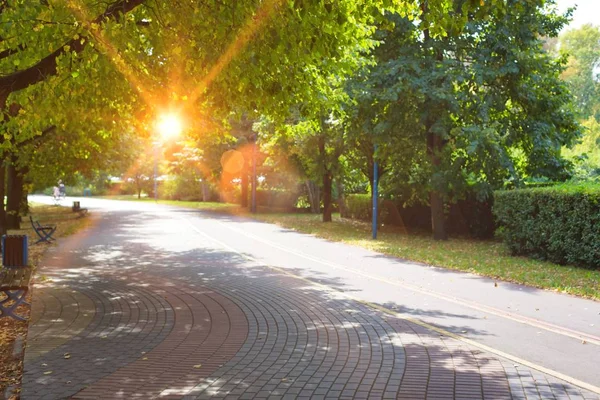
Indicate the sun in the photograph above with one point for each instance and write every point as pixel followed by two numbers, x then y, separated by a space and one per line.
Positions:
pixel 169 126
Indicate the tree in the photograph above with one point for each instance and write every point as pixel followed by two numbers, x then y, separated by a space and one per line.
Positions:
pixel 252 54
pixel 582 46
pixel 478 109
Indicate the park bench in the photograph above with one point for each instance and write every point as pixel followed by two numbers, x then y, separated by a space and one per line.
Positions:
pixel 45 232
pixel 15 275
pixel 14 284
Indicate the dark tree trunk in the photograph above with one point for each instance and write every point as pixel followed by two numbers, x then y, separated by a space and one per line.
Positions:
pixel 245 182
pixel 2 194
pixel 436 199
pixel 314 197
pixel 327 183
pixel 434 148
pixel 24 205
pixel 205 192
pixel 14 195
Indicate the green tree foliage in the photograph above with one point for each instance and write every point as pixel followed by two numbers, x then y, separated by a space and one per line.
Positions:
pixel 79 69
pixel 469 110
pixel 582 46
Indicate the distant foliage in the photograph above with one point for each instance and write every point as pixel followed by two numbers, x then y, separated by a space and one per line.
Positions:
pixel 559 223
pixel 180 189
pixel 359 206
pixel 282 200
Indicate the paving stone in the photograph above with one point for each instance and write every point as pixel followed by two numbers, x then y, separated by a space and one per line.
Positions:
pixel 218 327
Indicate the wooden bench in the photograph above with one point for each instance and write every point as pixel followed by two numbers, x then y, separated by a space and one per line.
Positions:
pixel 14 283
pixel 45 232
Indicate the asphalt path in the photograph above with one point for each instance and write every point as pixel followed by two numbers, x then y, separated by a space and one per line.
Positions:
pixel 552 332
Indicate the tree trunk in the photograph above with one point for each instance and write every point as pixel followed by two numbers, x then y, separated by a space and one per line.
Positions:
pixel 139 192
pixel 342 200
pixel 436 199
pixel 434 148
pixel 14 195
pixel 2 195
pixel 327 197
pixel 314 197
pixel 205 193
pixel 24 204
pixel 244 183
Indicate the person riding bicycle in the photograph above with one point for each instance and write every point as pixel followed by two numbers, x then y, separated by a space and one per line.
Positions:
pixel 61 188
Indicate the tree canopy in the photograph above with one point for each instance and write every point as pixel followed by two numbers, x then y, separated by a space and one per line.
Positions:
pixel 458 94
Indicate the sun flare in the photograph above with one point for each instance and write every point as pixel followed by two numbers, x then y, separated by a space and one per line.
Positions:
pixel 169 126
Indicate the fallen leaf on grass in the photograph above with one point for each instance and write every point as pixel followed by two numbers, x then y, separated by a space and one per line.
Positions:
pixel 198 366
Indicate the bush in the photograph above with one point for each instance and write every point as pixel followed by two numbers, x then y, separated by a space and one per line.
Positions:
pixel 276 199
pixel 559 223
pixel 180 189
pixel 359 207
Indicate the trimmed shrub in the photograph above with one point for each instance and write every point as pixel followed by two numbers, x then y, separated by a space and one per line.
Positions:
pixel 560 223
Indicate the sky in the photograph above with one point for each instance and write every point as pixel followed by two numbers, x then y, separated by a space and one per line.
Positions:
pixel 588 11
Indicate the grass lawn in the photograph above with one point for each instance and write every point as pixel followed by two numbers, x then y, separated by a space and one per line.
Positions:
pixel 208 205
pixel 67 222
pixel 487 258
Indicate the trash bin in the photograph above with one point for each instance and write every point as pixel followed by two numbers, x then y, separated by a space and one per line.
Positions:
pixel 14 250
pixel 76 206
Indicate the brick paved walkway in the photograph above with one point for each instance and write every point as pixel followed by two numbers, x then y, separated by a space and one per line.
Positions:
pixel 134 321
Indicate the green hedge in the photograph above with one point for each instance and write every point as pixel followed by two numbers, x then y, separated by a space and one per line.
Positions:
pixel 559 223
pixel 360 206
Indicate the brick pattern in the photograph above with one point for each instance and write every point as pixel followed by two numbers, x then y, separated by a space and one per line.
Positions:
pixel 148 321
pixel 127 322
pixel 58 314
pixel 349 350
pixel 208 330
pixel 302 346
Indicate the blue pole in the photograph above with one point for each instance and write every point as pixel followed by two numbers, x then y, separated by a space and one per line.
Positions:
pixel 375 193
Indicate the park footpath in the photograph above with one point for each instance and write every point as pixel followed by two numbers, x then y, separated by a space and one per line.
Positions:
pixel 119 312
